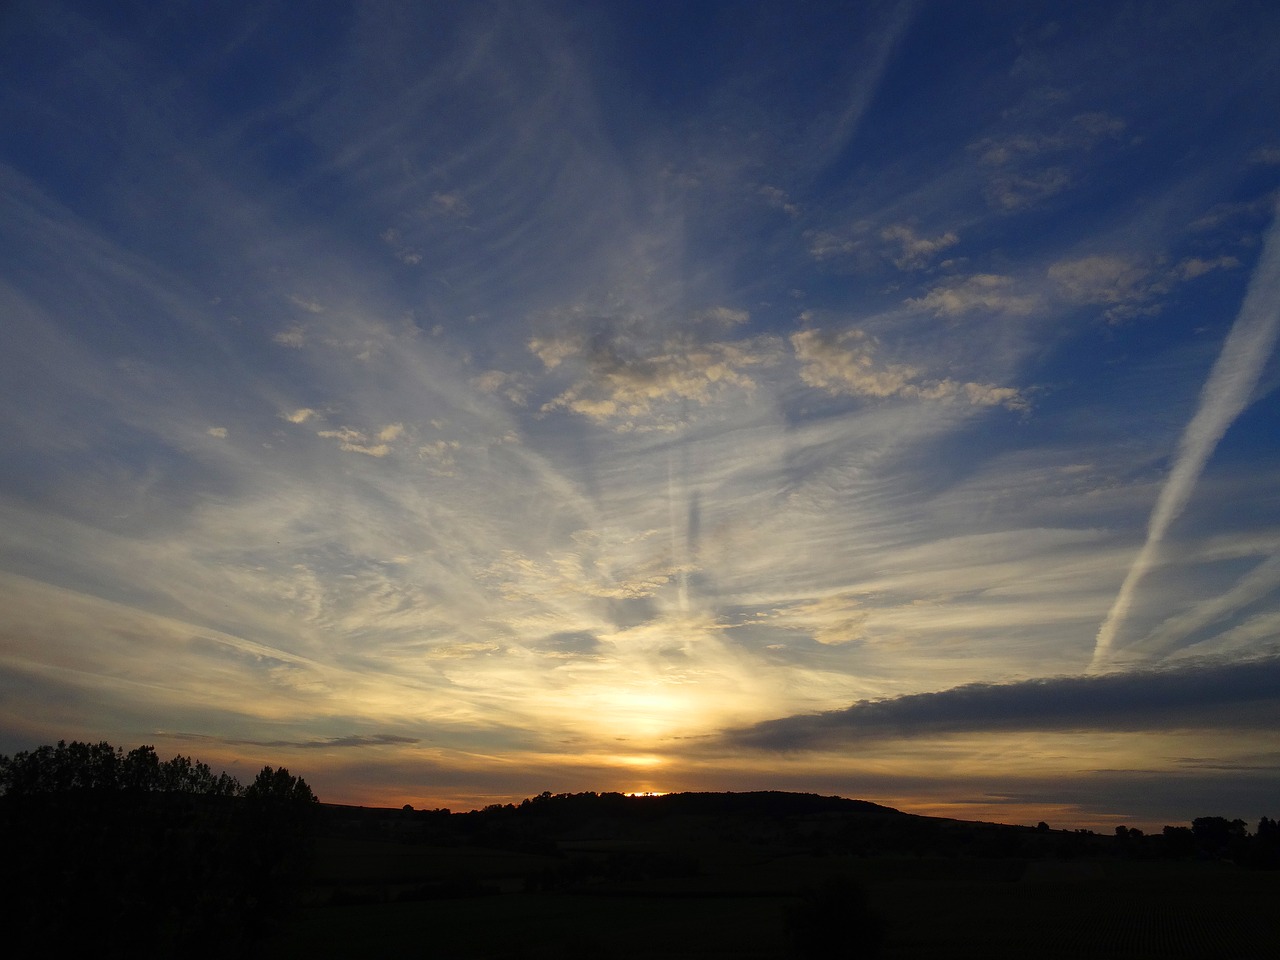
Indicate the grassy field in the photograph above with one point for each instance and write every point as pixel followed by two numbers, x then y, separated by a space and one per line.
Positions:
pixel 415 900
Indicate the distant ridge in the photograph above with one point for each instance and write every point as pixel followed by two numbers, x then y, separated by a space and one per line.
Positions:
pixel 717 803
pixel 769 802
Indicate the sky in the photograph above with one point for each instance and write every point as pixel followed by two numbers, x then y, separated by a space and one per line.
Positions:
pixel 456 401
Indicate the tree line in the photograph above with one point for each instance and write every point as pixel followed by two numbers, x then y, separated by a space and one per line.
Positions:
pixel 91 768
pixel 147 857
pixel 1212 837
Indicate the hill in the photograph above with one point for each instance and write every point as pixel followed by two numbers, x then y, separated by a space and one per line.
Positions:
pixel 800 820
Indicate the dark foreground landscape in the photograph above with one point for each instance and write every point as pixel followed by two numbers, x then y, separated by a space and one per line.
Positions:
pixel 770 875
pixel 163 859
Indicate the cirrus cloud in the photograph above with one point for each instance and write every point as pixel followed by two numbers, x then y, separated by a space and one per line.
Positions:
pixel 844 364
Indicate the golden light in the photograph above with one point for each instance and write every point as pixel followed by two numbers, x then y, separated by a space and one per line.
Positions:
pixel 638 760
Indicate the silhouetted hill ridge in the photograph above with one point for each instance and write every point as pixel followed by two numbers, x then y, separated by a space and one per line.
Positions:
pixel 706 803
pixel 774 802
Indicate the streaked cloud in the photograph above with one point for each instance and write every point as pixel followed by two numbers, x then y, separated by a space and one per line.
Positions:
pixel 1208 694
pixel 1030 166
pixel 306 303
pixel 294 337
pixel 355 740
pixel 982 291
pixel 911 251
pixel 1193 267
pixel 356 441
pixel 844 363
pixel 1100 279
pixel 641 382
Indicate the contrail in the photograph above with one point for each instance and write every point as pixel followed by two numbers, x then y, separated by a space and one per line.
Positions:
pixel 869 82
pixel 1224 395
pixel 679 541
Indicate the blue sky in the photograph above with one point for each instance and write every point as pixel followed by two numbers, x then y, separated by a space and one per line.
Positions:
pixel 456 401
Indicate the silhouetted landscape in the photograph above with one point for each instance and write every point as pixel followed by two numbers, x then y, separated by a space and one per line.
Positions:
pixel 122 854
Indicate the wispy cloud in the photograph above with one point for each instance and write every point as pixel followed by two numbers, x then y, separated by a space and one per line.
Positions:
pixel 910 251
pixel 353 740
pixel 1027 167
pixel 981 291
pixel 844 363
pixel 1104 280
pixel 634 378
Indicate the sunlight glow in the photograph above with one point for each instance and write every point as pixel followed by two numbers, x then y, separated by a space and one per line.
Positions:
pixel 639 760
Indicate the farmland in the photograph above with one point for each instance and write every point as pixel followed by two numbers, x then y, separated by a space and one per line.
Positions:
pixel 698 885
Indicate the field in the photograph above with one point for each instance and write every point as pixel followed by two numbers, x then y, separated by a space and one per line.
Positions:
pixel 725 898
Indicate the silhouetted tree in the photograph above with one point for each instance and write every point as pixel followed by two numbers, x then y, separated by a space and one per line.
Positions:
pixel 141 769
pixel 278 788
pixel 99 767
pixel 1220 837
pixel 278 828
pixel 121 854
pixel 1265 850
pixel 66 768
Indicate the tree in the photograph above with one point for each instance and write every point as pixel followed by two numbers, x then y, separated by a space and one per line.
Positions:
pixel 279 819
pixel 97 768
pixel 278 788
pixel 146 857
pixel 1265 852
pixel 140 770
pixel 1220 837
pixel 69 767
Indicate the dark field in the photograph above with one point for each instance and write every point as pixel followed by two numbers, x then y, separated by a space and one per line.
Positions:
pixel 703 885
